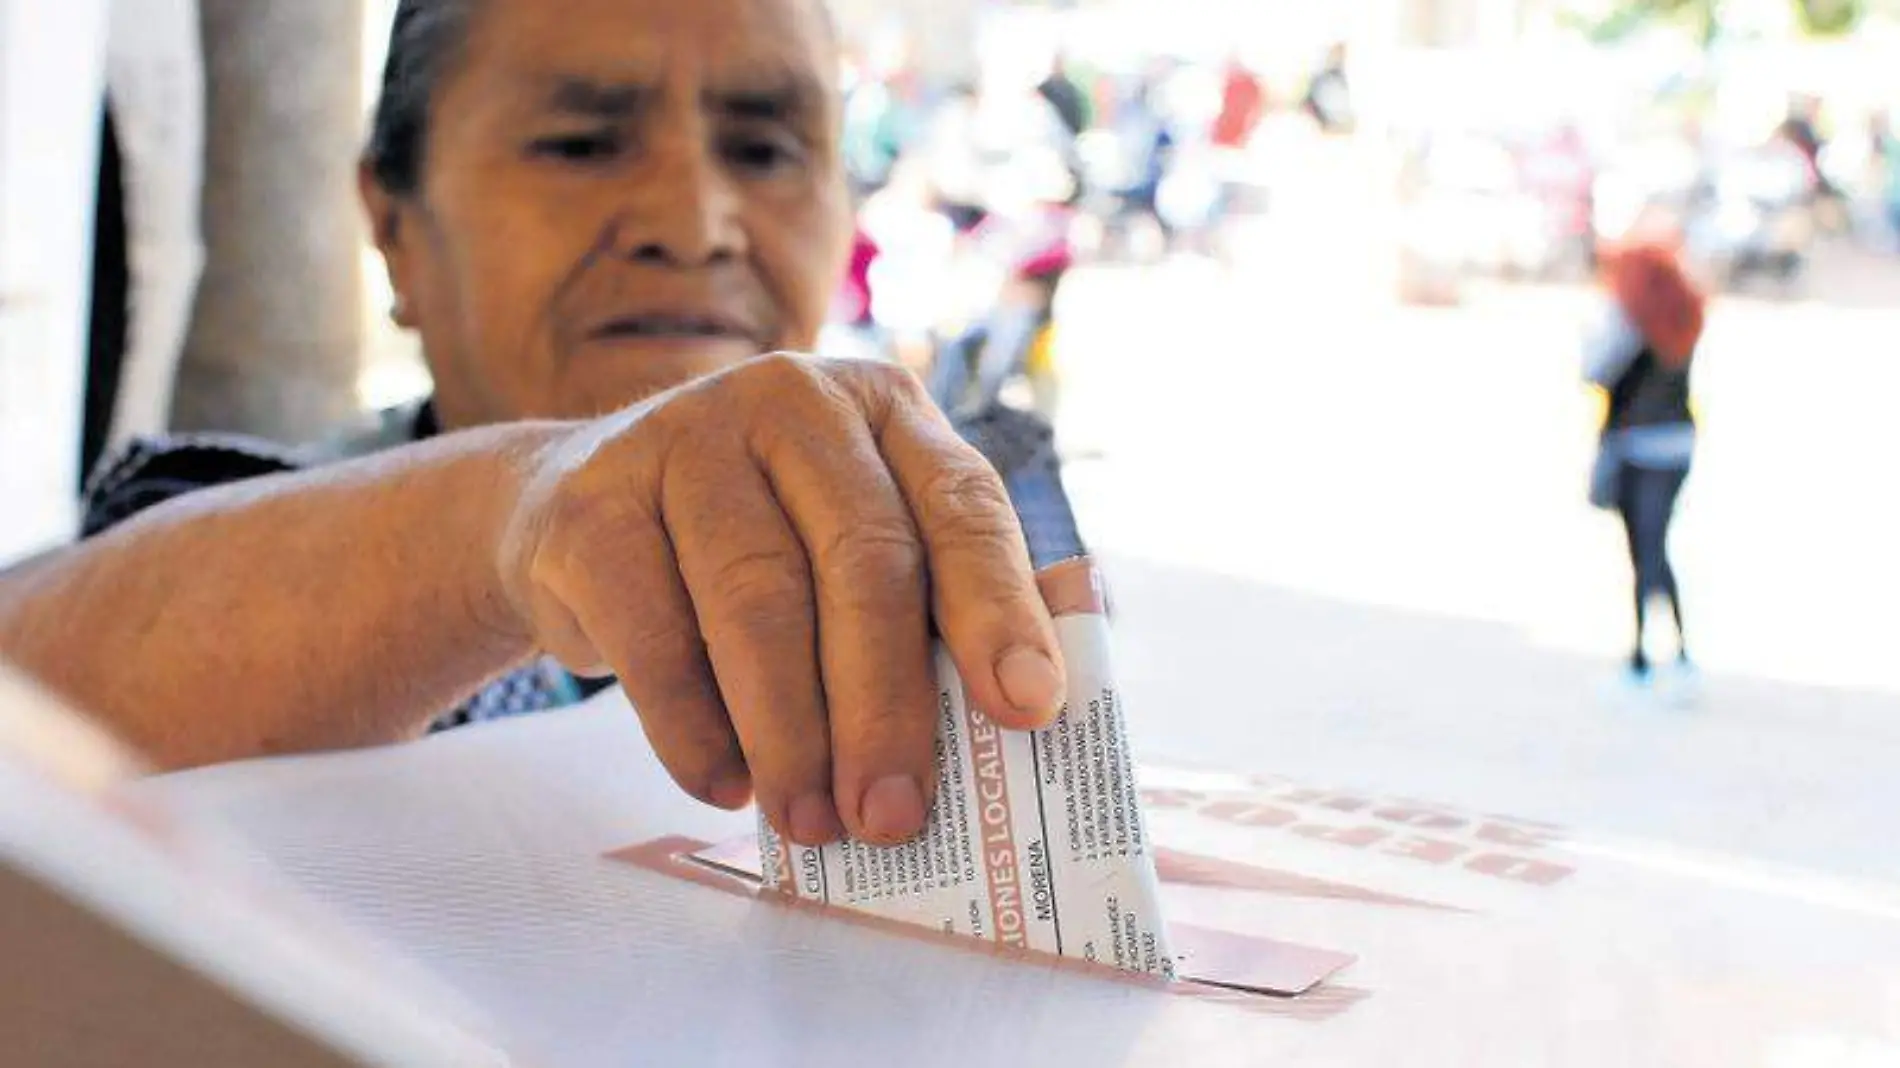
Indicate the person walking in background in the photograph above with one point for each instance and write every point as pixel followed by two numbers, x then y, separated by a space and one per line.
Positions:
pixel 1147 139
pixel 1641 358
pixel 1802 128
pixel 1074 108
pixel 1329 93
pixel 1886 147
pixel 1064 93
pixel 1243 104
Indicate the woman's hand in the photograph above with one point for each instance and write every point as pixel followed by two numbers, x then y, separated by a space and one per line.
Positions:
pixel 760 557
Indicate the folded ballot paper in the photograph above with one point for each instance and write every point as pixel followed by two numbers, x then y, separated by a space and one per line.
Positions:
pixel 1037 840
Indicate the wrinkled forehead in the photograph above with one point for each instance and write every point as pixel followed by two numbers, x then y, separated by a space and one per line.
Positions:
pixel 523 46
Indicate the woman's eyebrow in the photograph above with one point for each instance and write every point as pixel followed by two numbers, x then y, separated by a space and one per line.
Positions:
pixel 585 97
pixel 780 98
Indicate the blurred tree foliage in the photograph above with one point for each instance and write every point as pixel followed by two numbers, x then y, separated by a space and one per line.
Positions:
pixel 1830 17
pixel 1704 17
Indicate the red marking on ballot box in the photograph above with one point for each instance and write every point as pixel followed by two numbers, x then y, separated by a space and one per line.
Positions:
pixel 1389 828
pixel 998 824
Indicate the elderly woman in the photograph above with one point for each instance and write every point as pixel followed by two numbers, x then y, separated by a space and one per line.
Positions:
pixel 600 215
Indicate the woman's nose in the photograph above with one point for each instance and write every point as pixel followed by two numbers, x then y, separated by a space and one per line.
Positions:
pixel 681 209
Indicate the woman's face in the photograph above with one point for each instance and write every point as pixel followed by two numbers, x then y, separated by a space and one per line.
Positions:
pixel 620 196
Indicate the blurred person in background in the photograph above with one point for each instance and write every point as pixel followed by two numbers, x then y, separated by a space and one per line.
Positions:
pixel 1065 94
pixel 851 332
pixel 1802 126
pixel 1025 254
pixel 854 298
pixel 951 159
pixel 1809 130
pixel 574 225
pixel 1760 215
pixel 1021 153
pixel 1886 150
pixel 884 115
pixel 1329 93
pixel 1016 158
pixel 1015 338
pixel 1641 357
pixel 1559 173
pixel 1243 104
pixel 916 252
pixel 1144 140
pixel 1191 200
pixel 1074 108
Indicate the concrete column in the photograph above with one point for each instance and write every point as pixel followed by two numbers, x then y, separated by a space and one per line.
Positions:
pixel 155 78
pixel 52 83
pixel 275 347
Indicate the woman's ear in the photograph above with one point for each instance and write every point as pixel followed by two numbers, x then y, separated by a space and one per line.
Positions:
pixel 385 214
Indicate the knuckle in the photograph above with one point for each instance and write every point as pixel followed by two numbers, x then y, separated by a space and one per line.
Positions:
pixel 778 371
pixel 882 385
pixel 786 390
pixel 881 564
pixel 586 528
pixel 678 428
pixel 967 501
pixel 908 386
pixel 885 377
pixel 578 509
pixel 883 545
pixel 763 590
pixel 671 645
pixel 669 417
pixel 563 538
pixel 599 481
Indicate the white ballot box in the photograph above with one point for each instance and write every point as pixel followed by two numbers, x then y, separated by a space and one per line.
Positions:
pixel 129 937
pixel 543 870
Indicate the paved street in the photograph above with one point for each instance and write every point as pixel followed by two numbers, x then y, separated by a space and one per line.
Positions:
pixel 1374 519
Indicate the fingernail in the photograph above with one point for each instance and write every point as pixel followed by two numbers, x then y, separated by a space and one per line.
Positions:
pixel 815 820
pixel 1031 682
pixel 732 790
pixel 893 809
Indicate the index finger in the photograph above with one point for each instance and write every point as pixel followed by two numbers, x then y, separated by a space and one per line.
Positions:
pixel 983 588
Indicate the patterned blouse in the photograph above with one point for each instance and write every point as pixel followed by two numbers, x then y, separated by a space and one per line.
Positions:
pixel 153 471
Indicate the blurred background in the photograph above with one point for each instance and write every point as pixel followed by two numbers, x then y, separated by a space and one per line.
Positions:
pixel 1303 289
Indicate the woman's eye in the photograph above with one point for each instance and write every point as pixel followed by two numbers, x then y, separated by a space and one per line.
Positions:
pixel 761 155
pixel 577 148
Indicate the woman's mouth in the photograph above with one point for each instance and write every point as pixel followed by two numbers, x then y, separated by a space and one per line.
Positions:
pixel 670 326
